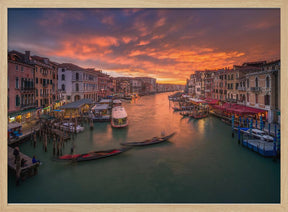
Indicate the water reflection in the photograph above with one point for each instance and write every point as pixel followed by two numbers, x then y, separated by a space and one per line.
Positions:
pixel 176 171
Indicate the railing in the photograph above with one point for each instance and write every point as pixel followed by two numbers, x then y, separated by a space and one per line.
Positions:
pixel 241 89
pixel 255 89
pixel 27 88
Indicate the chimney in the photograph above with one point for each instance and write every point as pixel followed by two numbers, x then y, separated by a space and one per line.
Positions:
pixel 27 56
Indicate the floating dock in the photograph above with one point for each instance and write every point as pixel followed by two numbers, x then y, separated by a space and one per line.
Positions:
pixel 30 169
pixel 262 147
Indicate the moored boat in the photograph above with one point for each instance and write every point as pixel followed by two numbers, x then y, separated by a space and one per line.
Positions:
pixel 100 112
pixel 154 140
pixel 119 117
pixel 93 155
pixel 70 127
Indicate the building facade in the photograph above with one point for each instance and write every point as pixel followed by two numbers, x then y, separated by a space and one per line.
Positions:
pixel 21 87
pixel 77 83
pixel 263 90
pixel 46 82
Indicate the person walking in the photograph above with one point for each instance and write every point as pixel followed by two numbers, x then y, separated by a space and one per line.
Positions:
pixel 16 154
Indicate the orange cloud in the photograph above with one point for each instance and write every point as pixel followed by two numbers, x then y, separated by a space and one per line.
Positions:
pixel 143 43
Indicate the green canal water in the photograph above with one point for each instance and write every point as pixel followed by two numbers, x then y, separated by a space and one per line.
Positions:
pixel 200 164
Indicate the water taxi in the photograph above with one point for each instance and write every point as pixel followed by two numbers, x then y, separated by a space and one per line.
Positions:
pixel 117 102
pixel 100 112
pixel 119 117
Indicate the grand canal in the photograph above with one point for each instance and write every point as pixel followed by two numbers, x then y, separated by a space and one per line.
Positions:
pixel 200 164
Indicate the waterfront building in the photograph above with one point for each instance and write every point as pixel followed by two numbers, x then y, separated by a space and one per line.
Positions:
pixel 77 83
pixel 238 83
pixel 77 108
pixel 199 88
pixel 149 85
pixel 136 85
pixel 191 85
pixel 208 83
pixel 103 81
pixel 46 83
pixel 21 88
pixel 111 85
pixel 123 85
pixel 263 90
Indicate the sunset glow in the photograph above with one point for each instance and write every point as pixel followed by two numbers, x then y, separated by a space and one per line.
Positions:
pixel 167 44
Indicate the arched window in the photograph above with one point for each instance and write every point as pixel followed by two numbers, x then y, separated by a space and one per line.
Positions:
pixel 256 82
pixel 63 77
pixel 63 87
pixel 77 87
pixel 267 82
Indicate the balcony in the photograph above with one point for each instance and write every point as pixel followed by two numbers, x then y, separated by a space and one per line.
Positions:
pixel 255 89
pixel 241 89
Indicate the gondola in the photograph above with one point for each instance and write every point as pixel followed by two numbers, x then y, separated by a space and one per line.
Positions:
pixel 154 140
pixel 93 155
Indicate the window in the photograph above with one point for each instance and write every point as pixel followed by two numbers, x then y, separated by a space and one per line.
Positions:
pixel 77 76
pixel 63 70
pixel 232 76
pixel 267 99
pixel 63 87
pixel 228 77
pixel 16 67
pixel 36 92
pixel 68 97
pixel 77 87
pixel 247 97
pixel 256 82
pixel 22 68
pixel 36 80
pixel 256 98
pixel 63 77
pixel 267 82
pixel 36 69
pixel 17 83
pixel 247 83
pixel 50 82
pixel 17 101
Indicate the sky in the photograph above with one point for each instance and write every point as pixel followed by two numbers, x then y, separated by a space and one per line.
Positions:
pixel 167 44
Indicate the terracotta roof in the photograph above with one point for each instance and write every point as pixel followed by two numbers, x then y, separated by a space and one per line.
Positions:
pixel 71 67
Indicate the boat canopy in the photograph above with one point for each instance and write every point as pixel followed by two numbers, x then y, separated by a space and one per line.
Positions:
pixel 238 109
pixel 117 101
pixel 77 104
pixel 14 125
pixel 118 113
pixel 100 107
pixel 105 101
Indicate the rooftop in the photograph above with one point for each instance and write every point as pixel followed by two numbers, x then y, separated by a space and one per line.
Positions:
pixel 77 104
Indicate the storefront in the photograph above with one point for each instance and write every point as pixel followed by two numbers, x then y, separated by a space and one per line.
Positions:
pixel 22 116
